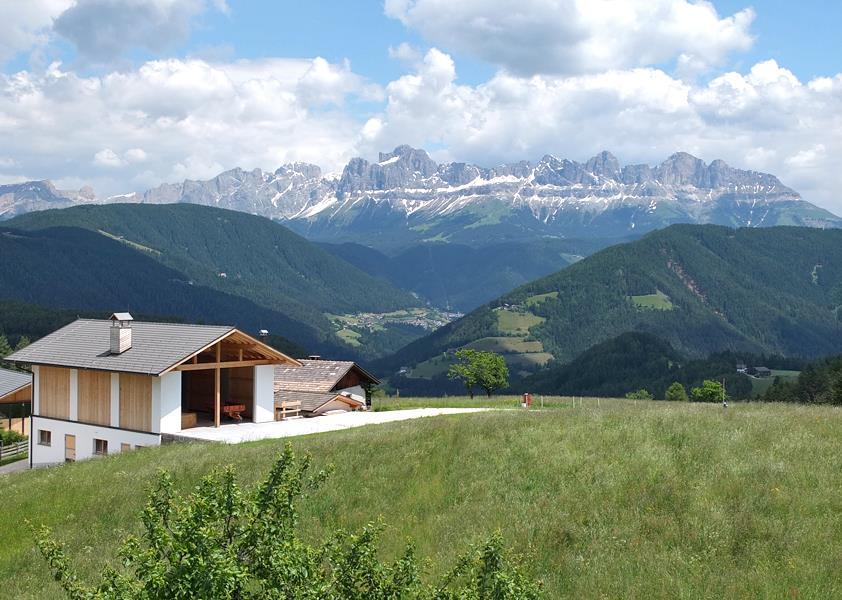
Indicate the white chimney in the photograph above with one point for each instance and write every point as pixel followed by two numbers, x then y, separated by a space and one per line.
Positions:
pixel 121 332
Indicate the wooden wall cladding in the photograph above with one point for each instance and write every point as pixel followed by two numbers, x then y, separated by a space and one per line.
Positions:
pixel 136 402
pixel 54 392
pixel 94 397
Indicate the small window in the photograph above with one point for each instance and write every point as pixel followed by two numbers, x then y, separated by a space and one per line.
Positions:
pixel 100 446
pixel 124 447
pixel 45 437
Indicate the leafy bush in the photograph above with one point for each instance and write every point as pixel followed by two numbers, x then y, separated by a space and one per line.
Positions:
pixel 676 393
pixel 710 391
pixel 11 437
pixel 640 395
pixel 222 541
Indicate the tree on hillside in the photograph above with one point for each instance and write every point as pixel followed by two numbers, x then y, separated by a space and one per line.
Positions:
pixel 710 391
pixel 5 349
pixel 492 372
pixel 676 393
pixel 487 370
pixel 463 369
pixel 225 542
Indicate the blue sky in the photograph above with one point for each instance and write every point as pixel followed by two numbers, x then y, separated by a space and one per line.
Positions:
pixel 123 95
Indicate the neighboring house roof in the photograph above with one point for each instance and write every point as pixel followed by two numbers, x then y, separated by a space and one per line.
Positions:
pixel 317 375
pixel 313 401
pixel 85 344
pixel 12 381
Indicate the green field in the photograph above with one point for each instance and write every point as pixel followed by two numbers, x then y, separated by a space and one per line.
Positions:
pixel 759 386
pixel 622 500
pixel 656 301
pixel 538 298
pixel 506 345
pixel 516 323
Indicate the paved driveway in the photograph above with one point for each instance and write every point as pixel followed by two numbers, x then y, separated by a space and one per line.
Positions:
pixel 19 465
pixel 247 432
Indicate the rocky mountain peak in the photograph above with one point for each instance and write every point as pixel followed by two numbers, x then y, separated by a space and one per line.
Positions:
pixel 605 165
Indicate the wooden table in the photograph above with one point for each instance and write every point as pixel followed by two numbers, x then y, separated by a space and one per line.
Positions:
pixel 234 411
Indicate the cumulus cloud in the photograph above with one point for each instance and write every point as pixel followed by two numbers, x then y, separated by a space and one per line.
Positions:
pixel 172 119
pixel 579 36
pixel 765 119
pixel 26 24
pixel 105 30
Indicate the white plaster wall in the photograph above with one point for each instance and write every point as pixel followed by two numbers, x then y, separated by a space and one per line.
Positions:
pixel 156 404
pixel 74 394
pixel 170 402
pixel 115 399
pixel 85 435
pixel 264 393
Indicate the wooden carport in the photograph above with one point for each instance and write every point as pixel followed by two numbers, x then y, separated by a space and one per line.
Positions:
pixel 233 350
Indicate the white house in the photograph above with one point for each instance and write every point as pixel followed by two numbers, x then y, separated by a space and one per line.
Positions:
pixel 107 386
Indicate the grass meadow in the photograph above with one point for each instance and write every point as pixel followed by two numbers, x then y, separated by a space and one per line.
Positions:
pixel 615 499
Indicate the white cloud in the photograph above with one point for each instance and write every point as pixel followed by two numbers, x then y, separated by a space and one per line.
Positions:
pixel 25 24
pixel 172 119
pixel 105 30
pixel 766 119
pixel 579 36
pixel 108 158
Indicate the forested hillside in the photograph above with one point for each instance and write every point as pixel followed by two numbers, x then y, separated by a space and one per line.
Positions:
pixel 462 277
pixel 76 269
pixel 233 253
pixel 702 289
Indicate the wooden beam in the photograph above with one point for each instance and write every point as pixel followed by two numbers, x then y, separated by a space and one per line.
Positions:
pixel 217 392
pixel 231 364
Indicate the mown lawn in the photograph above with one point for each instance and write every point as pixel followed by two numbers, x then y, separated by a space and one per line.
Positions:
pixel 621 500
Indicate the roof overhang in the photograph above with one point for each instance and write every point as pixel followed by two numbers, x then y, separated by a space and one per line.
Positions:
pixel 5 396
pixel 252 353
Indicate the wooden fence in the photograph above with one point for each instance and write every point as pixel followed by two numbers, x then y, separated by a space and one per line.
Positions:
pixel 13 449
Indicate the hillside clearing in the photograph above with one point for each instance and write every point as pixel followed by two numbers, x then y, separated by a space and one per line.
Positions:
pixel 632 500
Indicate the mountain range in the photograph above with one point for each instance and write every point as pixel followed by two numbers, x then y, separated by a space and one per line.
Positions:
pixel 406 197
pixel 700 288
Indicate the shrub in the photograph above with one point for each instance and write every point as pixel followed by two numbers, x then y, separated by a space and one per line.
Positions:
pixel 11 437
pixel 641 394
pixel 224 542
pixel 710 391
pixel 676 393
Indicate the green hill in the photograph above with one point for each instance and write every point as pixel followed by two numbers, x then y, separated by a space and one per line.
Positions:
pixel 702 289
pixel 654 500
pixel 54 275
pixel 230 252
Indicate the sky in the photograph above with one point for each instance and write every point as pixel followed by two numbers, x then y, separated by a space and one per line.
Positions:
pixel 123 95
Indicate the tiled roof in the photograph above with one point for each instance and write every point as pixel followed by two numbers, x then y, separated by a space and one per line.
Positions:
pixel 85 344
pixel 316 375
pixel 11 381
pixel 310 401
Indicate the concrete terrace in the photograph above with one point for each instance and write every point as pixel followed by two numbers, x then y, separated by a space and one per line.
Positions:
pixel 237 433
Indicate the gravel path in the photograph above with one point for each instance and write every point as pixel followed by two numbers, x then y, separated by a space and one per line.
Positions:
pixel 248 432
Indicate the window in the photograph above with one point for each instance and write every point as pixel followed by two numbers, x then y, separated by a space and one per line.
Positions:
pixel 45 438
pixel 100 446
pixel 124 447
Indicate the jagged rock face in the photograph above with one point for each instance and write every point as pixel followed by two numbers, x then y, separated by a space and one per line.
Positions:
pixel 19 198
pixel 407 197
